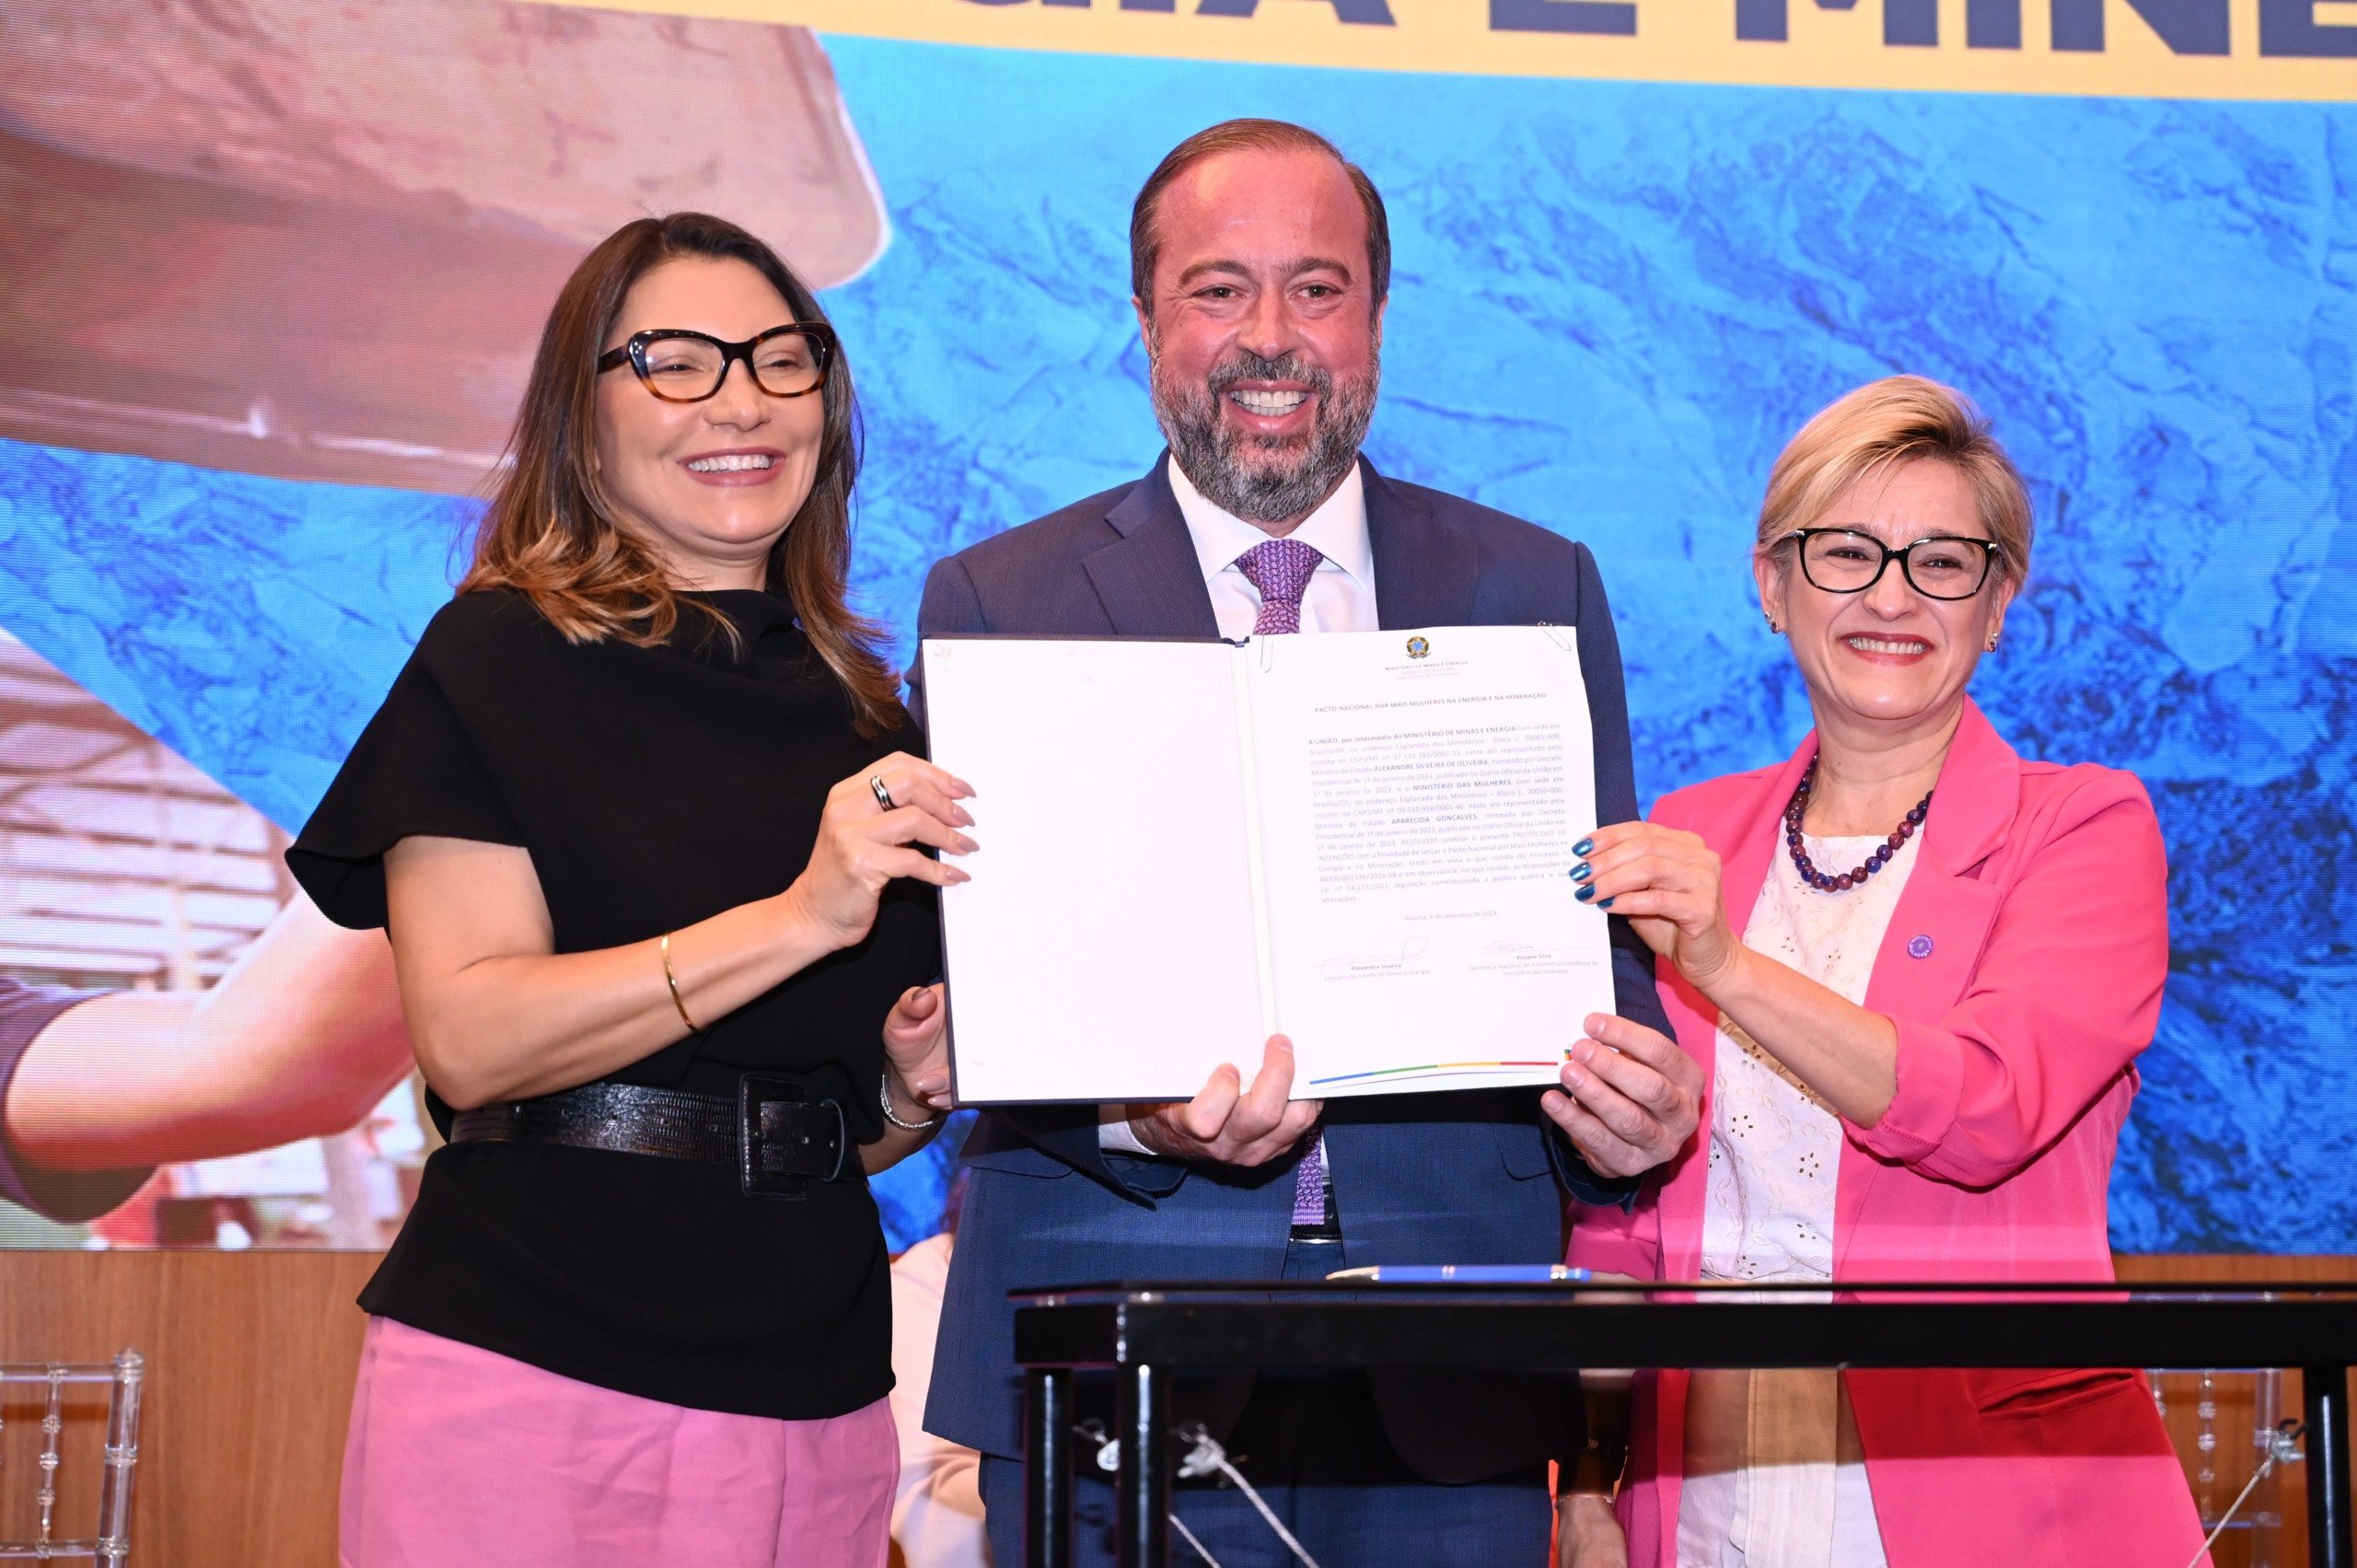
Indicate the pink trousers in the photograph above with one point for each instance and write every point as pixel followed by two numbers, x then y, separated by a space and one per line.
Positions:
pixel 459 1458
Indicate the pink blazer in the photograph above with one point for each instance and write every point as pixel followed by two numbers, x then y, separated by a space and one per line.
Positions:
pixel 2023 968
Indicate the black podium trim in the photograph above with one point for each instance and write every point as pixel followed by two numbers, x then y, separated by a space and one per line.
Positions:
pixel 1149 1332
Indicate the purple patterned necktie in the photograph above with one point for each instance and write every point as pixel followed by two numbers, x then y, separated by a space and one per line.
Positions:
pixel 1280 570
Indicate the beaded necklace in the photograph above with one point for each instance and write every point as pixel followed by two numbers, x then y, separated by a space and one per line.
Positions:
pixel 1798 808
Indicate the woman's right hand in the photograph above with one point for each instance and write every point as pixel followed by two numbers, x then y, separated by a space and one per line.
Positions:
pixel 1667 883
pixel 862 845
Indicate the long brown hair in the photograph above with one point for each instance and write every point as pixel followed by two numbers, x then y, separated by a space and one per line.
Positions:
pixel 549 533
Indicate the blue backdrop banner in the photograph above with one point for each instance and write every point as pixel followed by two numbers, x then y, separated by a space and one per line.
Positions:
pixel 1614 302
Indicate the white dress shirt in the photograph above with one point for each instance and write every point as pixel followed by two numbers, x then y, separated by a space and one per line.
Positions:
pixel 1340 597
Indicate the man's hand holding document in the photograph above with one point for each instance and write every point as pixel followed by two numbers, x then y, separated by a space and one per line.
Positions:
pixel 1359 841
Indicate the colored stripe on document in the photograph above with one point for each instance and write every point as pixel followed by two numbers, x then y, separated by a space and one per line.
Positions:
pixel 1434 1067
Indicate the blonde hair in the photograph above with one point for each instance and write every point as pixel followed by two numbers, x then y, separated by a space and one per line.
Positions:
pixel 1895 420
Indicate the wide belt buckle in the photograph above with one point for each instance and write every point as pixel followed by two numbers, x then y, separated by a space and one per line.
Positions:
pixel 784 1138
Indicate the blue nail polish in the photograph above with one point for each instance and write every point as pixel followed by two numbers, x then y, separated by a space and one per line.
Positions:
pixel 1582 872
pixel 1607 903
pixel 1583 846
pixel 1586 893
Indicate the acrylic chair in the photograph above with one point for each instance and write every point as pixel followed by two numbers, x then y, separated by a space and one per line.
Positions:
pixel 111 1544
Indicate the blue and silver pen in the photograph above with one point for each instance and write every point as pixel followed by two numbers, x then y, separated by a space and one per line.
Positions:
pixel 1465 1274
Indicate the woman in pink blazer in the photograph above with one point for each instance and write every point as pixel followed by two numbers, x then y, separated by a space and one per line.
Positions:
pixel 1916 971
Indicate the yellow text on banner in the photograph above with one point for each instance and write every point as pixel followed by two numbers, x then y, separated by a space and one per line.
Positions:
pixel 2200 48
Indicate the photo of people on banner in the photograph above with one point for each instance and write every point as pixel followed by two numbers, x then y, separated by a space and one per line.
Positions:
pixel 191 1053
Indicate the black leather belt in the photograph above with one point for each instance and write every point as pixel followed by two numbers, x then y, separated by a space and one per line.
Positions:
pixel 774 1136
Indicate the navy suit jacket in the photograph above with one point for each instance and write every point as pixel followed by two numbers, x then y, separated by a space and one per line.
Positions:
pixel 1465 1177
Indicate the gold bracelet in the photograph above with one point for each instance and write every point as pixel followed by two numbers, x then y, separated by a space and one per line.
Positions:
pixel 673 982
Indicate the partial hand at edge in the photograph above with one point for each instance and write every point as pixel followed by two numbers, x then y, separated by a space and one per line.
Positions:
pixel 1587 1533
pixel 1224 1125
pixel 1631 1097
pixel 916 1046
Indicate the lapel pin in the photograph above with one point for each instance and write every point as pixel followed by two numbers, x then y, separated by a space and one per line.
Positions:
pixel 1918 947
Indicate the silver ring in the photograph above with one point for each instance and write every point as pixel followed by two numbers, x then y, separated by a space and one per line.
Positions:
pixel 883 795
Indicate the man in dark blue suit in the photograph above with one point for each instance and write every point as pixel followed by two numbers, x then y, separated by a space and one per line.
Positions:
pixel 1260 265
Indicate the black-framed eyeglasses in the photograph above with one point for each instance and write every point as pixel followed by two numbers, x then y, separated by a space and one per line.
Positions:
pixel 683 366
pixel 1844 560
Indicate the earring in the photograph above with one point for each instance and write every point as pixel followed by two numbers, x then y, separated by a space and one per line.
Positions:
pixel 1773 629
pixel 1993 642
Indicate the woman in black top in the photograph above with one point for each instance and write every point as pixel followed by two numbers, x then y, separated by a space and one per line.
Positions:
pixel 642 818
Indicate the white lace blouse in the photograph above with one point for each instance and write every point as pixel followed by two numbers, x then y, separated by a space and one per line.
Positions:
pixel 1772 1474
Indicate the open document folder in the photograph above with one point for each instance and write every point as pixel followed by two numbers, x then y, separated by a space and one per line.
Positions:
pixel 1358 840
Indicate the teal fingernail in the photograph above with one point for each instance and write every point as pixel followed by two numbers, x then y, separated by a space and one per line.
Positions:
pixel 1582 872
pixel 1584 894
pixel 1583 846
pixel 1606 904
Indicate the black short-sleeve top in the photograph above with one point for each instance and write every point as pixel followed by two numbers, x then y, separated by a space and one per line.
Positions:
pixel 654 788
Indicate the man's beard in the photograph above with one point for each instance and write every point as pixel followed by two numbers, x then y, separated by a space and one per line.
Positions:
pixel 1261 478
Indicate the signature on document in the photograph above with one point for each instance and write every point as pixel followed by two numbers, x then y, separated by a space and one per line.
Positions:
pixel 1529 951
pixel 1377 966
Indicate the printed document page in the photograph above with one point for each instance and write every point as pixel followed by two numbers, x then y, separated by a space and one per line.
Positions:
pixel 1420 794
pixel 1107 948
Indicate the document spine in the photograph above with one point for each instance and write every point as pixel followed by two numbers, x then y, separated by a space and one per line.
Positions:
pixel 1247 748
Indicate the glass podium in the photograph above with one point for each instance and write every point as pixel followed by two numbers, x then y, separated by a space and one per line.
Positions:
pixel 1144 1334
